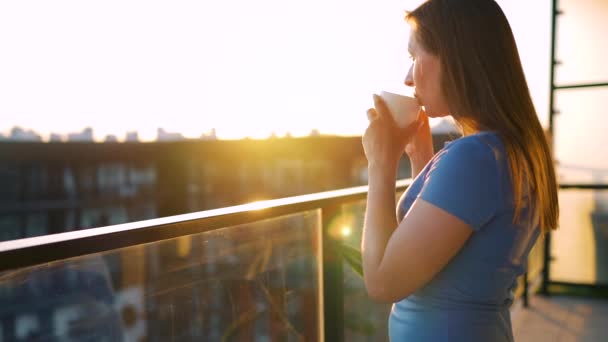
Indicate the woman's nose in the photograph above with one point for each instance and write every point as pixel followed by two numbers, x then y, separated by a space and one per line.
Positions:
pixel 409 79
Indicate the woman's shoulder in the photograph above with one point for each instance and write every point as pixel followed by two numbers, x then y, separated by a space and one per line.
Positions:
pixel 482 139
pixel 485 145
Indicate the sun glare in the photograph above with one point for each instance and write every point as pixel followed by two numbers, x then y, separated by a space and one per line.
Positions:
pixel 346 231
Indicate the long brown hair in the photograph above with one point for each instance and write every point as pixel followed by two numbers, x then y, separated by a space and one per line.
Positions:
pixel 483 81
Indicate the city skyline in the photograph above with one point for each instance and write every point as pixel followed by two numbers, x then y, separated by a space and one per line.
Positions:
pixel 23 134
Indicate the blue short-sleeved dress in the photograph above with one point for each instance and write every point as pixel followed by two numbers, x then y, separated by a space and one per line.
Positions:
pixel 469 299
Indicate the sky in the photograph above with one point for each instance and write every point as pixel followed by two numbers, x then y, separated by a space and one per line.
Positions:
pixel 250 68
pixel 245 68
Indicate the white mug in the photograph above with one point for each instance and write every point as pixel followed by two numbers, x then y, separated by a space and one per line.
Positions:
pixel 404 109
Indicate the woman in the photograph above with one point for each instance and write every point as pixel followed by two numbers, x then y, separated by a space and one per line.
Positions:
pixel 464 228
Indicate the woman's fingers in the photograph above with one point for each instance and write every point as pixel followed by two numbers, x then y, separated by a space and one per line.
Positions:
pixel 412 128
pixel 422 116
pixel 421 112
pixel 372 114
pixel 380 106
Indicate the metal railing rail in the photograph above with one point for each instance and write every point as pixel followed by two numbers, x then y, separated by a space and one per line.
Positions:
pixel 43 249
pixel 581 85
pixel 583 186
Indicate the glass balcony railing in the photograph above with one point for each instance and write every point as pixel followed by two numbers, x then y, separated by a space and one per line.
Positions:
pixel 283 269
pixel 577 253
pixel 258 279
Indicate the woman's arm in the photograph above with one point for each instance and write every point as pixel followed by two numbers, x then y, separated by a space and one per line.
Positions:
pixel 380 223
pixel 420 146
pixel 397 262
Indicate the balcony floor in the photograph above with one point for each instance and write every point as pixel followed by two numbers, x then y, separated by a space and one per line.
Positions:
pixel 560 319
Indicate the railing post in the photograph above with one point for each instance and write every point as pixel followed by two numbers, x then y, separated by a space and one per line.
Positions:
pixel 546 264
pixel 333 280
pixel 525 295
pixel 552 111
